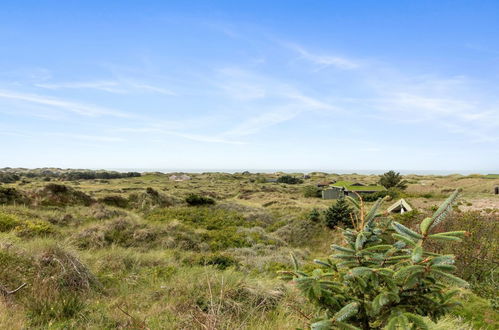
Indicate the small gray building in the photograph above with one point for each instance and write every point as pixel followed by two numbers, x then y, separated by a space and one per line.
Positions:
pixel 333 193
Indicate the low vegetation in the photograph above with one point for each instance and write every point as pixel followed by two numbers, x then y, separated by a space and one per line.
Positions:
pixel 147 252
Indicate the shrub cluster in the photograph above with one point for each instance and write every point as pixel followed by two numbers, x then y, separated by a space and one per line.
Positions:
pixel 312 191
pixel 90 175
pixel 9 195
pixel 61 195
pixel 339 214
pixel 114 200
pixel 196 200
pixel 9 177
pixel 289 179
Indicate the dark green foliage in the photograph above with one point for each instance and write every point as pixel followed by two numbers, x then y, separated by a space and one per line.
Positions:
pixel 392 179
pixel 314 215
pixel 9 195
pixel 9 177
pixel 371 283
pixel 339 214
pixel 312 191
pixel 92 175
pixel 196 200
pixel 60 195
pixel 392 192
pixel 289 179
pixel 114 200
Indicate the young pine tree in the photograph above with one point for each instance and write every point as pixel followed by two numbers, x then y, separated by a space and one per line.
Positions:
pixel 339 213
pixel 383 277
pixel 392 179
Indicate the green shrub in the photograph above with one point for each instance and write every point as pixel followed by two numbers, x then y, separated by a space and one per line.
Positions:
pixel 196 200
pixel 8 222
pixel 339 214
pixel 314 215
pixel 375 283
pixel 392 192
pixel 288 179
pixel 149 199
pixel 114 200
pixel 60 195
pixel 9 195
pixel 391 179
pixel 34 228
pixel 312 191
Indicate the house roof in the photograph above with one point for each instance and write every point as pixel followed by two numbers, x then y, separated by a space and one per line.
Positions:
pixel 355 186
pixel 399 204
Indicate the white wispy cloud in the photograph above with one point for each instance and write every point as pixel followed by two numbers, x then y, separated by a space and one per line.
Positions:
pixel 71 106
pixel 255 124
pixel 269 101
pixel 84 137
pixel 121 86
pixel 107 86
pixel 323 60
pixel 186 135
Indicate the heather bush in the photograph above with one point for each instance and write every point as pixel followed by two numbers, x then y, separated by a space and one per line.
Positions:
pixel 196 200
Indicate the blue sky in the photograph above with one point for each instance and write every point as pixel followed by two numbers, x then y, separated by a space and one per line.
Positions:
pixel 405 85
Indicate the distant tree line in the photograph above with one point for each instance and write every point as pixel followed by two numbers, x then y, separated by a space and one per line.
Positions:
pixel 89 175
pixel 10 177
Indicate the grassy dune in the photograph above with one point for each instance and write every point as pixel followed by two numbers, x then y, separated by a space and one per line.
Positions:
pixel 130 253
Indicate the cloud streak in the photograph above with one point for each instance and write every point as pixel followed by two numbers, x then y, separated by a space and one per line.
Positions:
pixel 322 60
pixel 124 86
pixel 74 107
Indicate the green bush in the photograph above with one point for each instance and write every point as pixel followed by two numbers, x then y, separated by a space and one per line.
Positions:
pixel 114 200
pixel 196 200
pixel 392 192
pixel 391 179
pixel 373 283
pixel 149 199
pixel 9 195
pixel 339 214
pixel 60 195
pixel 312 191
pixel 289 179
pixel 314 215
pixel 8 222
pixel 34 228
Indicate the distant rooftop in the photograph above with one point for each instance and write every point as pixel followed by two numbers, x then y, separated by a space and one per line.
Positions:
pixel 355 186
